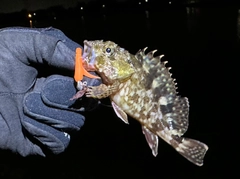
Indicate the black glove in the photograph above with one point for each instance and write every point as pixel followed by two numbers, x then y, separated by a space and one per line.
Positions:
pixel 37 113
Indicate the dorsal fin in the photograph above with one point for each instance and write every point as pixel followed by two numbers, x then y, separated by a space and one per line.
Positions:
pixel 157 78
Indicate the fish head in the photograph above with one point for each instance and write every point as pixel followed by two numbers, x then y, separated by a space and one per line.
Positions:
pixel 110 61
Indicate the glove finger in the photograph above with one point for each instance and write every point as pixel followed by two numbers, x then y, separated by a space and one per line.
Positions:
pixel 58 118
pixel 12 135
pixel 91 81
pixel 55 140
pixel 58 90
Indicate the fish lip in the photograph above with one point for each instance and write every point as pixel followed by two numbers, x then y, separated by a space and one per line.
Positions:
pixel 87 43
pixel 87 46
pixel 87 52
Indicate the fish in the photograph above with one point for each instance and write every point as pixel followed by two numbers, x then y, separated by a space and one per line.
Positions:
pixel 141 86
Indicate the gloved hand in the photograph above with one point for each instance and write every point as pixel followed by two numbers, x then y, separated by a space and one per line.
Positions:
pixel 37 113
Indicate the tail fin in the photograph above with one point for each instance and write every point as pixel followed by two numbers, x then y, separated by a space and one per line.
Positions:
pixel 192 150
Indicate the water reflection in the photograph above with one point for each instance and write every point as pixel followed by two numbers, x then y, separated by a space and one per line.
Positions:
pixel 193 13
pixel 214 22
pixel 164 28
pixel 238 24
pixel 170 29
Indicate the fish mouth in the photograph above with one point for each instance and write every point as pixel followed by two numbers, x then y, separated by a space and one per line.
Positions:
pixel 90 57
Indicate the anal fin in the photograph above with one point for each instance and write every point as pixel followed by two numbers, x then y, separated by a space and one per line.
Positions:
pixel 120 113
pixel 152 140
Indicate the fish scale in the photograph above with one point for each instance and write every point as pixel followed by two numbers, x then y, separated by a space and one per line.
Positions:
pixel 141 86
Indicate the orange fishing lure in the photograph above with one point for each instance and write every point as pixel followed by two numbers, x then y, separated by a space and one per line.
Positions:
pixel 80 71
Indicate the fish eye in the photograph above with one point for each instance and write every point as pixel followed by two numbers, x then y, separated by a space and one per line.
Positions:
pixel 108 50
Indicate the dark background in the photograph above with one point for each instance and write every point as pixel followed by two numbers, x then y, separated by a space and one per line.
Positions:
pixel 201 43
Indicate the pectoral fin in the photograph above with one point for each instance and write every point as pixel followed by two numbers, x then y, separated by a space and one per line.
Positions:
pixel 152 140
pixel 120 113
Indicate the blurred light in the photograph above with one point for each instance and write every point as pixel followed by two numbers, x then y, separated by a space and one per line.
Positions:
pixel 170 2
pixel 103 5
pixel 146 0
pixel 30 23
pixel 139 3
pixel 147 14
pixel 55 18
pixel 34 14
pixel 81 8
pixel 238 24
pixel 29 15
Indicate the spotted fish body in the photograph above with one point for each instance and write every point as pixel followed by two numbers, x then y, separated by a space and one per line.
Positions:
pixel 141 86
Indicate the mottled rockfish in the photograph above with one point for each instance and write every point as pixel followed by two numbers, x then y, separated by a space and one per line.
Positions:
pixel 141 86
